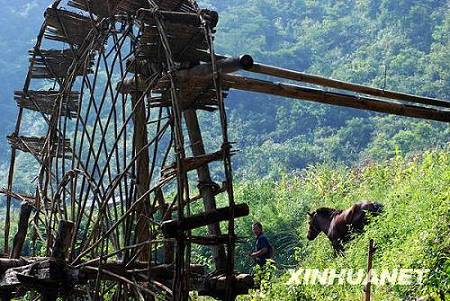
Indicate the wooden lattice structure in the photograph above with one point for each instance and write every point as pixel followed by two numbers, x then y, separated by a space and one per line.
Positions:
pixel 111 213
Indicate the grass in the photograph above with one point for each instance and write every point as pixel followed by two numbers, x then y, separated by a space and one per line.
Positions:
pixel 413 231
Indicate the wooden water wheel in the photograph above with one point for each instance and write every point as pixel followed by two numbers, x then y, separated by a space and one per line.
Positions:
pixel 111 211
pixel 119 85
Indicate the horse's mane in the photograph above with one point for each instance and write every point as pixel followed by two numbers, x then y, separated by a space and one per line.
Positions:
pixel 327 212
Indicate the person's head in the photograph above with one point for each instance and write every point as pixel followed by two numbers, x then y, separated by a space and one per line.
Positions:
pixel 257 228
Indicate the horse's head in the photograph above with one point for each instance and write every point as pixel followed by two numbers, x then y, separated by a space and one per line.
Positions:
pixel 314 229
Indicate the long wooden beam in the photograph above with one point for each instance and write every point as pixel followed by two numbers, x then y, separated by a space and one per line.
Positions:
pixel 225 66
pixel 327 82
pixel 332 98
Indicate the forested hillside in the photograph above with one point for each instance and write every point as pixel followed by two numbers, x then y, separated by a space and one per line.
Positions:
pixel 398 45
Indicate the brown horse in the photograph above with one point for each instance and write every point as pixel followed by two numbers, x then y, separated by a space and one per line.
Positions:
pixel 339 225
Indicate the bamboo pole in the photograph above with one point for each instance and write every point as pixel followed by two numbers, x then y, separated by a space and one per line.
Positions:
pixel 332 98
pixel 326 82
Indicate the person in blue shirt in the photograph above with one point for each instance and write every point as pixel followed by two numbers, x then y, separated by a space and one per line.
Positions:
pixel 263 249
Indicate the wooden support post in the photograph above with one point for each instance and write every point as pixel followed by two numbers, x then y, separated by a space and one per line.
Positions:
pixel 207 190
pixel 142 170
pixel 22 229
pixel 171 228
pixel 63 239
pixel 367 288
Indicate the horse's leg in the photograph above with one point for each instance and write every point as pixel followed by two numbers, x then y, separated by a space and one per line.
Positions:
pixel 338 247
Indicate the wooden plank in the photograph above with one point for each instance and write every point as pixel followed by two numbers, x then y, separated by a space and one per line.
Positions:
pixel 194 98
pixel 54 63
pixel 156 55
pixel 141 65
pixel 150 34
pixel 189 19
pixel 193 163
pixel 44 102
pixel 35 145
pixel 132 6
pixel 173 228
pixel 337 99
pixel 184 42
pixel 100 8
pixel 66 26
